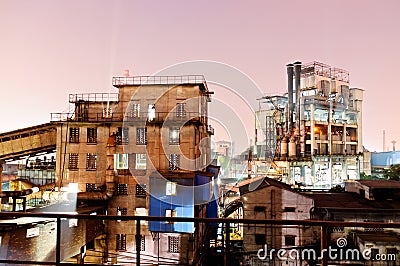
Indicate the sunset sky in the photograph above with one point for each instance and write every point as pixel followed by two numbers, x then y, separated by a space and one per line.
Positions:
pixel 49 49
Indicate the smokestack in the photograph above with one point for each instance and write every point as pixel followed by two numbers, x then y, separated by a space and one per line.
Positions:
pixel 297 72
pixel 290 96
pixel 394 145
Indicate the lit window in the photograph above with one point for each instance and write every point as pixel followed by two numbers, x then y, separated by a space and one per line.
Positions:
pixel 174 135
pixel 141 136
pixel 170 213
pixel 73 161
pixel 170 189
pixel 91 135
pixel 121 161
pixel 91 161
pixel 174 161
pixel 74 135
pixel 122 211
pixel 141 160
pixel 174 244
pixel 151 112
pixel 181 110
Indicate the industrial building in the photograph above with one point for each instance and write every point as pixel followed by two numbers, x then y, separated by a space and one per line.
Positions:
pixel 313 133
pixel 144 150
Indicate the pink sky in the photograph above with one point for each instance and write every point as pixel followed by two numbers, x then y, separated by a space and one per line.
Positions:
pixel 49 49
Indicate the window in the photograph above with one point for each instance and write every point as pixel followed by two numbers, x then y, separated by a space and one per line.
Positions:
pixel 174 160
pixel 91 135
pixel 141 190
pixel 122 136
pixel 259 208
pixel 122 211
pixel 170 189
pixel 290 240
pixel 141 160
pixel 134 110
pixel 151 115
pixel 120 242
pixel 289 209
pixel 174 244
pixel 74 135
pixel 174 136
pixel 91 161
pixel 107 112
pixel 170 213
pixel 141 136
pixel 260 239
pixel 121 161
pixel 374 253
pixel 181 110
pixel 122 189
pixel 73 161
pixel 90 187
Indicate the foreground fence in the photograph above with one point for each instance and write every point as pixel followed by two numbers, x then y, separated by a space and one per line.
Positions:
pixel 323 233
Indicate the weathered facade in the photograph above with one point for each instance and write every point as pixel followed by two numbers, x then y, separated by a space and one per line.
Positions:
pixel 119 149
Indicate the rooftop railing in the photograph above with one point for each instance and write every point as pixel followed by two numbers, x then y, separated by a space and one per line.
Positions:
pixel 158 80
pixel 93 97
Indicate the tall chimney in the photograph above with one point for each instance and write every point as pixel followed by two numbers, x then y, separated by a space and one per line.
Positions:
pixel 297 72
pixel 290 97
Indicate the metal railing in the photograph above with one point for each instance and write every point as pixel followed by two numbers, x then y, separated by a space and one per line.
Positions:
pixel 326 227
pixel 121 117
pixel 158 80
pixel 93 97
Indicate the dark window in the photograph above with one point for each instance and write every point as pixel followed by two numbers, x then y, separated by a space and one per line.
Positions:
pixel 120 242
pixel 73 161
pixel 181 110
pixel 174 161
pixel 74 135
pixel 374 253
pixel 260 239
pixel 91 161
pixel 392 251
pixel 141 136
pixel 289 209
pixel 122 189
pixel 140 190
pixel 174 135
pixel 259 208
pixel 174 244
pixel 90 187
pixel 290 240
pixel 122 211
pixel 91 135
pixel 122 136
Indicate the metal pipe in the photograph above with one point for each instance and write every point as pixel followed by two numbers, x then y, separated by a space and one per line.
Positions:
pixel 289 68
pixel 297 73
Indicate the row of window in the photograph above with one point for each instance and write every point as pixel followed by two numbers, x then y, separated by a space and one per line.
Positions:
pixel 174 243
pixel 135 111
pixel 121 161
pixel 121 136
